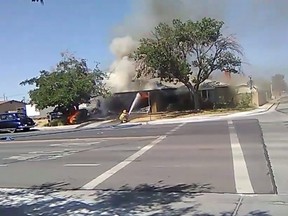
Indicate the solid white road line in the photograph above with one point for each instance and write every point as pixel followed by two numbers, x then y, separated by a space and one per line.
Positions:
pixel 95 182
pixel 241 175
pixel 77 139
pixel 81 165
pixel 98 180
pixel 78 144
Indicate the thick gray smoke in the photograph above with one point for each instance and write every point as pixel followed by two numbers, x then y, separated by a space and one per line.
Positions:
pixel 245 19
pixel 122 69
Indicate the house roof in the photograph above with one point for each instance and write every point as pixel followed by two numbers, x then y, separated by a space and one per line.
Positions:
pixel 244 88
pixel 212 84
pixel 3 102
pixel 206 85
pixel 145 90
pixel 155 84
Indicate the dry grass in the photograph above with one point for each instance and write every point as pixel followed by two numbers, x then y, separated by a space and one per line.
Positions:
pixel 184 114
pixel 41 122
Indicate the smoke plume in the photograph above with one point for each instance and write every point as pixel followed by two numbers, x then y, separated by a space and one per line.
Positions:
pixel 122 69
pixel 253 22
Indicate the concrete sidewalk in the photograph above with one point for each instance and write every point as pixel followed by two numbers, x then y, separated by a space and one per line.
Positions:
pixel 86 125
pixel 64 127
pixel 269 107
pixel 212 117
pixel 128 203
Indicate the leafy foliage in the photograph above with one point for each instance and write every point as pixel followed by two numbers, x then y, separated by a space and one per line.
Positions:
pixel 245 101
pixel 68 85
pixel 41 1
pixel 278 83
pixel 187 52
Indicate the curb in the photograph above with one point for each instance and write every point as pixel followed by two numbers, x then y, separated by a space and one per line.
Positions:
pixel 277 102
pixel 277 106
pixel 84 124
pixel 208 118
pixel 270 107
pixel 128 125
pixel 54 128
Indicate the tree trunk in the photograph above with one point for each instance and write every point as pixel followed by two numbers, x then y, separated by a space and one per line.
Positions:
pixel 194 95
pixel 196 101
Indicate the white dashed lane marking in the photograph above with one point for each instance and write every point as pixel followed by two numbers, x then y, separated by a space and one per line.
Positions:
pixel 81 165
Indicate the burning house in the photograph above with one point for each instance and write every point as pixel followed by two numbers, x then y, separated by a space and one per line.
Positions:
pixel 169 97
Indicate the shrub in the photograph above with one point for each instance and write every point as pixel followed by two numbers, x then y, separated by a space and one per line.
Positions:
pixel 56 122
pixel 245 101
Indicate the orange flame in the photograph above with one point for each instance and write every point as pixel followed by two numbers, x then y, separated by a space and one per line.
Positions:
pixel 71 119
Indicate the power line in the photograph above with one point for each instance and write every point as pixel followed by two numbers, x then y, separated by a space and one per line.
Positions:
pixel 15 95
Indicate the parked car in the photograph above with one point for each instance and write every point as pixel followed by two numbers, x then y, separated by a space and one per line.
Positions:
pixel 54 116
pixel 15 121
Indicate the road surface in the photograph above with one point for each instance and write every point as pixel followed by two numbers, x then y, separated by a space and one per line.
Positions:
pixel 174 169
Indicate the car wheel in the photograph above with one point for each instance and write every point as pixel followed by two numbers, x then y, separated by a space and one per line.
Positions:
pixel 26 129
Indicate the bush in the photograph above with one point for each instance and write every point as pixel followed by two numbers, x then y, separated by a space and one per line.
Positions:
pixel 178 107
pixel 245 101
pixel 56 122
pixel 206 104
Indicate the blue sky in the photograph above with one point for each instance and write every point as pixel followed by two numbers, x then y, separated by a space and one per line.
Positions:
pixel 32 36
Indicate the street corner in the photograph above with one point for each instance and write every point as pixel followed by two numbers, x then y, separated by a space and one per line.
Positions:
pixel 264 205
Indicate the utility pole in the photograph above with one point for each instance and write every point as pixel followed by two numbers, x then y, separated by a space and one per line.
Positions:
pixel 250 84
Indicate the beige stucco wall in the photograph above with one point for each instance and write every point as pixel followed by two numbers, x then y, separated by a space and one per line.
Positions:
pixel 259 98
pixel 262 98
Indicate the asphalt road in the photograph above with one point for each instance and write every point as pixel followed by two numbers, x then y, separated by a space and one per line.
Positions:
pixel 200 156
pixel 204 168
pixel 283 105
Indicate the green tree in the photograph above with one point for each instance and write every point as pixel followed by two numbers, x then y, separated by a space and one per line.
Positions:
pixel 67 86
pixel 41 1
pixel 187 52
pixel 278 83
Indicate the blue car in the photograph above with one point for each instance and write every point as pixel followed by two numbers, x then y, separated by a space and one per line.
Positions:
pixel 13 122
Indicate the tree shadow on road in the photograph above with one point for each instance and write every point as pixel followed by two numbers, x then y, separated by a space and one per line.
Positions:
pixel 153 200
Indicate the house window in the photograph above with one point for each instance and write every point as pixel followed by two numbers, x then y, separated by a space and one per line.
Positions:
pixel 205 94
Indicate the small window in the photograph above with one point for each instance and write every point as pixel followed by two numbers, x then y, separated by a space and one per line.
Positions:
pixel 11 117
pixel 3 117
pixel 205 94
pixel 21 115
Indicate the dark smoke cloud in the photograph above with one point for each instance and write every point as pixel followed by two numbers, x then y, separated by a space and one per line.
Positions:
pixel 148 13
pixel 260 25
